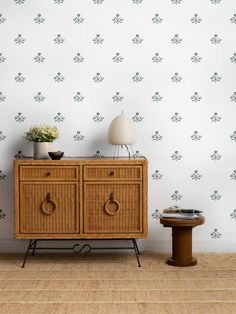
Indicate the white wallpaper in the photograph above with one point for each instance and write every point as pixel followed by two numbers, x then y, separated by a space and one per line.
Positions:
pixel 169 64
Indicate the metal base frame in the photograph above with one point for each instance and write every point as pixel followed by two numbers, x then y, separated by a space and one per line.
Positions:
pixel 87 248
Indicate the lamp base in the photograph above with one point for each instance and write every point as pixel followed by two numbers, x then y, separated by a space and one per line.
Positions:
pixel 117 151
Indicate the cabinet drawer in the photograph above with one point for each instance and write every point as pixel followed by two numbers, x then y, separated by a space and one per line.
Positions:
pixel 49 173
pixel 112 172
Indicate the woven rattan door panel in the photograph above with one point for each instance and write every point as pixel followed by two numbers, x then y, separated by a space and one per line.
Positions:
pixel 48 208
pixel 113 208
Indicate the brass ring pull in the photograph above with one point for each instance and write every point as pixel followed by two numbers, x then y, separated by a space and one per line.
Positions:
pixel 44 205
pixel 112 200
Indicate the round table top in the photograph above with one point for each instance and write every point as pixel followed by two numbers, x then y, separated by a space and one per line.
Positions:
pixel 173 222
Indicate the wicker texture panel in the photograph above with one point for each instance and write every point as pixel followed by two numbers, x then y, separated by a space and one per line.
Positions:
pixel 80 189
pixel 125 212
pixel 49 173
pixel 112 173
pixel 62 208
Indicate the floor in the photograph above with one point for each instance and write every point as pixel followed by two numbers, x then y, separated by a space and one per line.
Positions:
pixel 113 283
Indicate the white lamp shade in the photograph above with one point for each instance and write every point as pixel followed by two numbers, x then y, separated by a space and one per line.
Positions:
pixel 121 131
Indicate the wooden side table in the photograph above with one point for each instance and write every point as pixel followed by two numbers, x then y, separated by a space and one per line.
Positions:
pixel 182 240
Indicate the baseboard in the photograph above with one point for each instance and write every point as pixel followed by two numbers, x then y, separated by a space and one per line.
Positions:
pixel 198 246
pixel 19 246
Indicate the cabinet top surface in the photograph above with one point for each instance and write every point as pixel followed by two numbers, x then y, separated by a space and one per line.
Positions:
pixel 78 160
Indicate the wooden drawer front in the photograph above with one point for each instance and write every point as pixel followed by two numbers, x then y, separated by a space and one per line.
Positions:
pixel 112 173
pixel 48 208
pixel 48 173
pixel 112 208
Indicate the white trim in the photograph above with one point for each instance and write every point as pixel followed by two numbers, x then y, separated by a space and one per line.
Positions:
pixel 215 246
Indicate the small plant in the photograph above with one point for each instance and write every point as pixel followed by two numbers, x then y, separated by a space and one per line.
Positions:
pixel 42 133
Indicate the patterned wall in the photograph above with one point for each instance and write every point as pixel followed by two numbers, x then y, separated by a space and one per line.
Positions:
pixel 169 64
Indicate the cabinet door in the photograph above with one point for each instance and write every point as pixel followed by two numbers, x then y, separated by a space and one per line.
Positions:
pixel 48 208
pixel 112 207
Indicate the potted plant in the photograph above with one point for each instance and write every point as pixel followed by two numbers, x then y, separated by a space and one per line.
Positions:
pixel 42 135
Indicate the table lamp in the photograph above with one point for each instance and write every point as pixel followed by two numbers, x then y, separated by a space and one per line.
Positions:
pixel 121 133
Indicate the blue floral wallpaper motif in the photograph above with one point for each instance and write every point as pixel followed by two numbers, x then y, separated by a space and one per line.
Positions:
pixel 169 65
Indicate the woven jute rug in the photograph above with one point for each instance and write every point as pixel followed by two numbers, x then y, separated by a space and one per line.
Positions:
pixel 112 283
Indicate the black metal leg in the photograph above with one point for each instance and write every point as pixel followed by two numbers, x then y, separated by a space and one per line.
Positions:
pixel 34 247
pixel 136 250
pixel 76 248
pixel 136 245
pixel 26 254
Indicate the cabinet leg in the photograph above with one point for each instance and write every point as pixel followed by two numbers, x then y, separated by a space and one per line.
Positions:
pixel 34 247
pixel 26 254
pixel 136 250
pixel 136 245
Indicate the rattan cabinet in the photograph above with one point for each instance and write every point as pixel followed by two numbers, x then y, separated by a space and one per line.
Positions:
pixel 80 198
